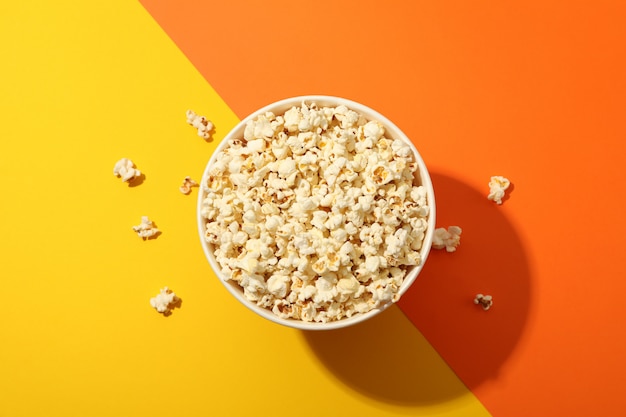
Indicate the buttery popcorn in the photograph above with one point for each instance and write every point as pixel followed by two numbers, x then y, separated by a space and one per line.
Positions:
pixel 164 301
pixel 497 187
pixel 486 301
pixel 201 123
pixel 315 214
pixel 448 239
pixel 125 168
pixel 185 187
pixel 146 228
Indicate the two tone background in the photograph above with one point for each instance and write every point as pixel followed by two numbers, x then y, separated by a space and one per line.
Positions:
pixel 534 91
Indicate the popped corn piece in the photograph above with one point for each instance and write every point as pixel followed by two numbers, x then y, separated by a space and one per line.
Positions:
pixel 278 285
pixel 185 187
pixel 372 264
pixel 486 301
pixel 307 293
pixel 373 129
pixel 165 301
pixel 201 123
pixel 146 229
pixel 382 291
pixel 292 119
pixel 448 239
pixel 347 117
pixel 315 214
pixel 283 308
pixel 497 187
pixel 349 287
pixel 395 242
pixel 254 286
pixel 326 288
pixel 307 311
pixel 125 168
pixel 260 128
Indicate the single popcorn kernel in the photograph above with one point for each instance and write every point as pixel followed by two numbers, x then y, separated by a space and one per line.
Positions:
pixel 448 239
pixel 146 229
pixel 125 168
pixel 497 187
pixel 185 188
pixel 204 125
pixel 165 301
pixel 486 301
pixel 315 214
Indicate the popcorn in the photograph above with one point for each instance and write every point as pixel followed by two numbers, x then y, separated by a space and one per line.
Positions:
pixel 125 168
pixel 278 285
pixel 201 123
pixel 486 301
pixel 146 229
pixel 497 187
pixel 349 287
pixel 448 239
pixel 315 214
pixel 185 187
pixel 165 301
pixel 374 130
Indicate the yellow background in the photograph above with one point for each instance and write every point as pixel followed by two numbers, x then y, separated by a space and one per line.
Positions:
pixel 81 86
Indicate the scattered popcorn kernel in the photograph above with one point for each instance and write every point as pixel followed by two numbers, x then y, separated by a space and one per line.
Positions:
pixel 316 214
pixel 448 239
pixel 165 301
pixel 497 188
pixel 185 188
pixel 486 301
pixel 146 229
pixel 201 123
pixel 125 168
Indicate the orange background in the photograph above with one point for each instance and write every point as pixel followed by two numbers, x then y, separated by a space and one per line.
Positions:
pixel 534 91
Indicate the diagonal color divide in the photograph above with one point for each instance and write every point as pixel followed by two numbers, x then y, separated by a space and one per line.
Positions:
pixel 204 53
pixel 532 91
pixel 494 83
